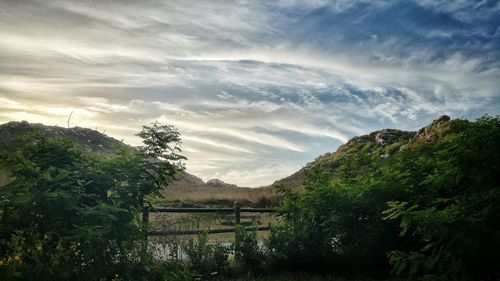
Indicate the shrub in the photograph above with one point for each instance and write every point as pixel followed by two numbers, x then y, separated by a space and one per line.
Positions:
pixel 453 208
pixel 334 226
pixel 432 205
pixel 85 204
pixel 28 256
pixel 174 271
pixel 246 248
pixel 207 259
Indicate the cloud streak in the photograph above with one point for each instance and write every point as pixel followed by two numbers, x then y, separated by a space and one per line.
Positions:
pixel 257 88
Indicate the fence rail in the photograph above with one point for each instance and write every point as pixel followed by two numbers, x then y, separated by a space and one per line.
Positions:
pixel 200 231
pixel 237 210
pixel 210 210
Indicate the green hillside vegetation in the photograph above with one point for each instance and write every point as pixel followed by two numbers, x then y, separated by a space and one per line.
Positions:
pixel 86 139
pixel 388 139
pixel 424 204
pixel 70 214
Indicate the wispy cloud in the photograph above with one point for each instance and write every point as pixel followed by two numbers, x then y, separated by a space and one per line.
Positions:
pixel 257 88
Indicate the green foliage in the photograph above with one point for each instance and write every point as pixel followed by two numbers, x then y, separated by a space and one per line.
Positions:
pixel 174 271
pixel 432 204
pixel 297 243
pixel 207 259
pixel 26 256
pixel 246 248
pixel 453 206
pixel 79 208
pixel 336 224
pixel 162 145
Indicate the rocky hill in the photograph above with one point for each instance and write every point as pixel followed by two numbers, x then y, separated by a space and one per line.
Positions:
pixel 386 141
pixel 92 140
pixel 217 182
pixel 86 138
pixel 188 187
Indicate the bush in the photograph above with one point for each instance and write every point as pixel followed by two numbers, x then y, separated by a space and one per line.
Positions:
pixel 70 214
pixel 334 226
pixel 246 248
pixel 174 271
pixel 207 259
pixel 432 205
pixel 27 256
pixel 453 209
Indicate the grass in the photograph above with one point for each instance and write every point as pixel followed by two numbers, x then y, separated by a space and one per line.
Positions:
pixel 217 195
pixel 191 221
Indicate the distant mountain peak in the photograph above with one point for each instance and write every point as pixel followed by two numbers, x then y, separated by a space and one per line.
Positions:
pixel 217 182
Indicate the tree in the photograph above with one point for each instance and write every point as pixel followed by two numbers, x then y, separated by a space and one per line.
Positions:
pixel 453 207
pixel 162 148
pixel 68 213
pixel 432 204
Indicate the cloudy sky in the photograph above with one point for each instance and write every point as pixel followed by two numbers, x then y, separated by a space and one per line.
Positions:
pixel 257 88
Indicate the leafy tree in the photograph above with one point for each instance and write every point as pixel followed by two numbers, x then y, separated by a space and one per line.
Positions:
pixel 334 226
pixel 246 248
pixel 432 204
pixel 453 204
pixel 73 214
pixel 162 148
pixel 207 259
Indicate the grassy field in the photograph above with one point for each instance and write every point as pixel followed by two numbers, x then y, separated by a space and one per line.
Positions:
pixel 204 195
pixel 192 221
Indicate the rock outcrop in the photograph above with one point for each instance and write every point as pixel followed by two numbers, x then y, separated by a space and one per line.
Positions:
pixel 94 141
pixel 433 131
pixel 219 183
pixel 396 139
pixel 86 138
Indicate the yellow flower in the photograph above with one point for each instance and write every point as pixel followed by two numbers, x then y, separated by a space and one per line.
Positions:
pixel 17 258
pixel 39 248
pixel 1 262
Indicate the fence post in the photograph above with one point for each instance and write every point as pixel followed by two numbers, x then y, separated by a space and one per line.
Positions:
pixel 145 214
pixel 237 217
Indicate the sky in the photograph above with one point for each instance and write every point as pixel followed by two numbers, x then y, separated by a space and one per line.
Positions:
pixel 256 88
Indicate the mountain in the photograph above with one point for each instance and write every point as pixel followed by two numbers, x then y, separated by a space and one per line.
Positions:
pixel 89 139
pixel 189 188
pixel 86 138
pixel 186 189
pixel 389 139
pixel 385 142
pixel 217 182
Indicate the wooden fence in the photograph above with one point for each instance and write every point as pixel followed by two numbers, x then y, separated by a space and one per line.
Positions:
pixel 237 211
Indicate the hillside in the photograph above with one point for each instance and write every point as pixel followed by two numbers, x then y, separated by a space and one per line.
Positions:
pixel 89 139
pixel 85 138
pixel 186 188
pixel 426 200
pixel 385 141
